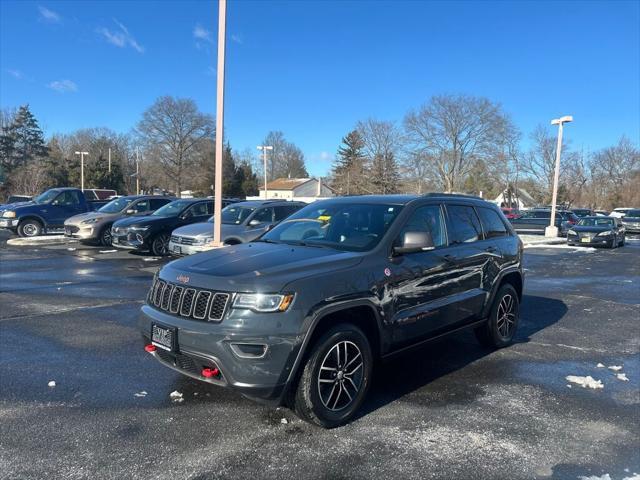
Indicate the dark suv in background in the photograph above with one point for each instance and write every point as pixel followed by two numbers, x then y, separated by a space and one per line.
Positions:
pixel 300 315
pixel 536 220
pixel 153 232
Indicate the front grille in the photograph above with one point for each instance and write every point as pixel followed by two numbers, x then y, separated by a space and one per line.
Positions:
pixel 71 229
pixel 179 360
pixel 182 240
pixel 193 303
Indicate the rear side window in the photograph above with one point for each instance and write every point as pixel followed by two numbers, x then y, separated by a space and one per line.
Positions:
pixel 427 219
pixel 464 225
pixel 141 206
pixel 491 223
pixel 264 215
pixel 199 210
pixel 156 203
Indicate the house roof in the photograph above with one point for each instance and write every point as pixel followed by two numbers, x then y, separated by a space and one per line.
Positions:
pixel 287 183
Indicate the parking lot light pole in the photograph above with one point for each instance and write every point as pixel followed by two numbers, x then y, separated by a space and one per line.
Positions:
pixel 552 230
pixel 264 149
pixel 82 154
pixel 217 201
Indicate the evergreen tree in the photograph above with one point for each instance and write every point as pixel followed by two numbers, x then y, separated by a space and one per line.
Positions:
pixel 21 141
pixel 348 173
pixel 384 174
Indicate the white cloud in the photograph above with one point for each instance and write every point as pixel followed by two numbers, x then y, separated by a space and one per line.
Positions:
pixel 236 38
pixel 201 33
pixel 17 74
pixel 63 86
pixel 120 37
pixel 49 15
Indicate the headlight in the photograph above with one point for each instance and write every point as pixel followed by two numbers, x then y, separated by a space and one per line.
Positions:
pixel 571 232
pixel 202 240
pixel 91 220
pixel 9 214
pixel 605 234
pixel 139 229
pixel 260 302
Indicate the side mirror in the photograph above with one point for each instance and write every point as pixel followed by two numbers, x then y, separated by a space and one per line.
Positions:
pixel 130 211
pixel 413 242
pixel 254 223
pixel 270 227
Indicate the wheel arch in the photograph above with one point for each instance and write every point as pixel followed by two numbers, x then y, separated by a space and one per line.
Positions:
pixel 513 277
pixel 33 216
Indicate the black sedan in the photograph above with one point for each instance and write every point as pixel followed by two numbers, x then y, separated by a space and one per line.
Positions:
pixel 597 231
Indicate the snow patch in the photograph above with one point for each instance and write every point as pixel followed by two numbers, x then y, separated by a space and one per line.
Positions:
pixel 108 251
pixel 284 421
pixel 615 368
pixel 585 382
pixel 140 394
pixel 176 396
pixel 600 365
pixel 606 476
pixel 51 384
pixel 71 249
pixel 149 259
pixel 622 376
pixel 635 476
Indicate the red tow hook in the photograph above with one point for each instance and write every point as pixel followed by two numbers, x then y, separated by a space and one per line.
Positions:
pixel 150 348
pixel 210 372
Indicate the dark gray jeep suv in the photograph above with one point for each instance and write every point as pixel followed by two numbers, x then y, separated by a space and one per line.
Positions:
pixel 300 315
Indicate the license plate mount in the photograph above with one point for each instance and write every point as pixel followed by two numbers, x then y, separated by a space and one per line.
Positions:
pixel 164 337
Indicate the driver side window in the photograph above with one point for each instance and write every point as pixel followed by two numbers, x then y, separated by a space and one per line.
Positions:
pixel 197 210
pixel 427 219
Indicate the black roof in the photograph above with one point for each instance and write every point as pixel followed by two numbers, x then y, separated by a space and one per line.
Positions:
pixel 260 203
pixel 402 199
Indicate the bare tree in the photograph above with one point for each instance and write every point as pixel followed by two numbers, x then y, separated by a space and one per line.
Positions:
pixel 453 132
pixel 382 144
pixel 171 130
pixel 616 172
pixel 285 160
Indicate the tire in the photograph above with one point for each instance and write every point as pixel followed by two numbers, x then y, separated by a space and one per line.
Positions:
pixel 29 228
pixel 622 242
pixel 614 243
pixel 325 403
pixel 105 236
pixel 494 333
pixel 160 245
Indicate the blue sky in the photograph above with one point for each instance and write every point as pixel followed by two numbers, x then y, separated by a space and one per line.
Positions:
pixel 313 69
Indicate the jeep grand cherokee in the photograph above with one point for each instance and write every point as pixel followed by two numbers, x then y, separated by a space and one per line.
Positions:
pixel 299 316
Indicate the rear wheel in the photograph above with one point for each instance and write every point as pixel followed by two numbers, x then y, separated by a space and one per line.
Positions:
pixel 160 245
pixel 336 377
pixel 502 323
pixel 622 242
pixel 29 228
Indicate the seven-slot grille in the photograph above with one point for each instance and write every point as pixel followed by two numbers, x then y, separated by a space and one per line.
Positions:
pixel 187 301
pixel 182 240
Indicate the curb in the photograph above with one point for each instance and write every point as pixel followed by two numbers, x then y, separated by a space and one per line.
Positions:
pixel 41 240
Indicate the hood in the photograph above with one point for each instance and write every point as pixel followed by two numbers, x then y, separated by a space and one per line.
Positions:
pixel 257 266
pixel 142 220
pixel 86 216
pixel 205 229
pixel 11 206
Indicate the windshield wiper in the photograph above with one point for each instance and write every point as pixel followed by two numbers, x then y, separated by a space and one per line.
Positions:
pixel 266 240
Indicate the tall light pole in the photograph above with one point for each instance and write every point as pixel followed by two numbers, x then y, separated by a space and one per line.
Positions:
pixel 217 194
pixel 109 159
pixel 82 154
pixel 552 230
pixel 138 173
pixel 264 149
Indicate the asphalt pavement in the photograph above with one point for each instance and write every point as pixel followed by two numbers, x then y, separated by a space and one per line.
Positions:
pixel 450 410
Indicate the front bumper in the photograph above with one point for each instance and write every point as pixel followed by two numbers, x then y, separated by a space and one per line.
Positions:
pixel 81 232
pixel 179 249
pixel 9 222
pixel 201 344
pixel 589 241
pixel 128 240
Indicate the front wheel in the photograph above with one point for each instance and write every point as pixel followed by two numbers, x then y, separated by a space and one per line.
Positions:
pixel 105 236
pixel 160 245
pixel 29 228
pixel 502 323
pixel 336 377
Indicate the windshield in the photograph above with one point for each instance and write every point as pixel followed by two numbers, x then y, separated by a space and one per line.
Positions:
pixel 350 227
pixel 633 213
pixel 235 215
pixel 172 209
pixel 47 196
pixel 596 222
pixel 115 206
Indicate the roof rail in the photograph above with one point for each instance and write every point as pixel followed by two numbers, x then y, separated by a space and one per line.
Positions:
pixel 463 195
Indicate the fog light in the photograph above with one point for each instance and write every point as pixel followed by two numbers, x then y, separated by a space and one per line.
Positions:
pixel 150 348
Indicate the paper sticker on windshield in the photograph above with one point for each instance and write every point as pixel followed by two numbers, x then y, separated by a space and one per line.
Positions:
pixel 324 218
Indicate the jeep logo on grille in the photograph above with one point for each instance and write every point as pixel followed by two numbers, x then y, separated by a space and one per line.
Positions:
pixel 183 278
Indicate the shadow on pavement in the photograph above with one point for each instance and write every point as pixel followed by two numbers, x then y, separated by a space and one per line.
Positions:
pixel 423 365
